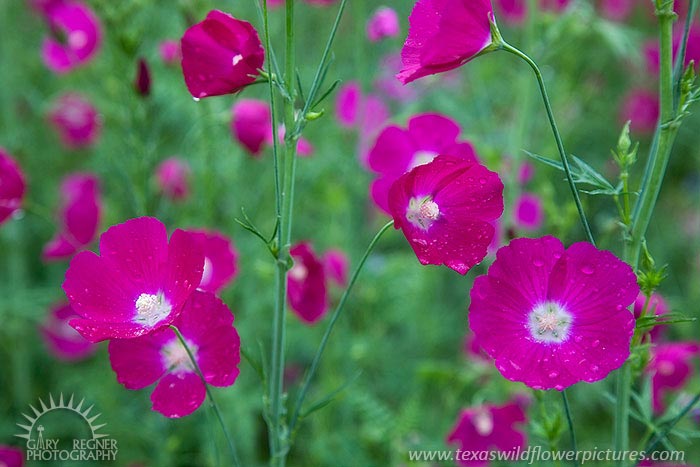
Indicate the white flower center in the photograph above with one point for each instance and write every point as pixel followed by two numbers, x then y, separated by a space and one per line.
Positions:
pixel 299 272
pixel 151 309
pixel 236 59
pixel 175 357
pixel 207 272
pixel 77 39
pixel 483 422
pixel 422 212
pixel 549 322
pixel 421 158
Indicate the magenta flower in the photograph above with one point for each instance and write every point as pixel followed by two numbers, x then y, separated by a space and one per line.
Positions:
pixel 446 210
pixel 220 260
pixel 554 5
pixel 12 186
pixel 388 86
pixel 336 264
pixel 528 212
pixel 444 35
pixel 62 340
pixel 220 55
pixel 76 121
pixel 76 36
pixel 306 284
pixel 79 218
pixel 11 456
pixel 206 324
pixel 642 108
pixel 142 83
pixel 348 104
pixel 383 23
pixel 367 113
pixel 657 306
pixel 172 177
pixel 138 284
pixel 473 349
pixel 488 427
pixel 512 11
pixel 398 150
pixel 552 317
pixel 304 146
pixel 251 124
pixel 651 48
pixel 617 10
pixel 671 367
pixel 169 51
pixel 526 172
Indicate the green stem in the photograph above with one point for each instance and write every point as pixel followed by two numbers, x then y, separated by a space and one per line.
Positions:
pixel 212 402
pixel 660 436
pixel 279 440
pixel 661 152
pixel 557 137
pixel 334 318
pixel 623 381
pixel 570 421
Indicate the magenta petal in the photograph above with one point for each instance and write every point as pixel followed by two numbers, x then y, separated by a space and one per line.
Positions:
pixel 12 186
pixel 432 132
pixel 251 124
pixel 58 247
pixel 185 264
pixel 347 104
pixel 306 284
pixel 220 55
pixel 220 260
pixel 138 362
pixel 392 152
pixel 178 395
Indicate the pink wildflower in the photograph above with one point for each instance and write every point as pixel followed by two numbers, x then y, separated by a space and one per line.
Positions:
pixel 76 36
pixel 12 186
pixel 220 260
pixel 446 210
pixel 657 306
pixel 671 368
pixel 169 51
pixel 617 10
pixel 488 427
pixel 398 150
pixel 11 456
pixel 336 264
pixel 306 284
pixel 526 172
pixel 142 83
pixel 552 317
pixel 76 120
pixel 251 124
pixel 138 284
pixel 348 104
pixel 651 49
pixel 79 219
pixel 642 108
pixel 512 11
pixel 528 212
pixel 444 35
pixel 206 325
pixel 383 23
pixel 63 341
pixel 172 177
pixel 220 55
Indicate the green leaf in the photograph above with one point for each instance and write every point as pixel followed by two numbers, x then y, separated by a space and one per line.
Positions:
pixel 583 174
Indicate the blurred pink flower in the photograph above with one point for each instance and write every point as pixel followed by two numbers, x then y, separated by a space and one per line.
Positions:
pixel 172 177
pixel 657 306
pixel 651 49
pixel 76 35
pixel 142 83
pixel 617 10
pixel 671 368
pixel 473 349
pixel 348 104
pixel 444 35
pixel 554 5
pixel 511 11
pixel 398 150
pixel 220 260
pixel 383 23
pixel 79 216
pixel 306 284
pixel 169 51
pixel 386 83
pixel 63 341
pixel 76 120
pixel 139 283
pixel 488 427
pixel 304 146
pixel 11 456
pixel 206 325
pixel 251 124
pixel 220 55
pixel 528 213
pixel 525 173
pixel 12 186
pixel 336 264
pixel 446 210
pixel 552 317
pixel 367 113
pixel 642 108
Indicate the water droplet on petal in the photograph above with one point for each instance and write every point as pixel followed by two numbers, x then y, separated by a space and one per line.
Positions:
pixel 587 269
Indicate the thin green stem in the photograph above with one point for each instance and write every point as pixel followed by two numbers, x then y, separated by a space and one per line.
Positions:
pixel 331 324
pixel 557 137
pixel 623 388
pixel 661 152
pixel 212 402
pixel 570 421
pixel 660 436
